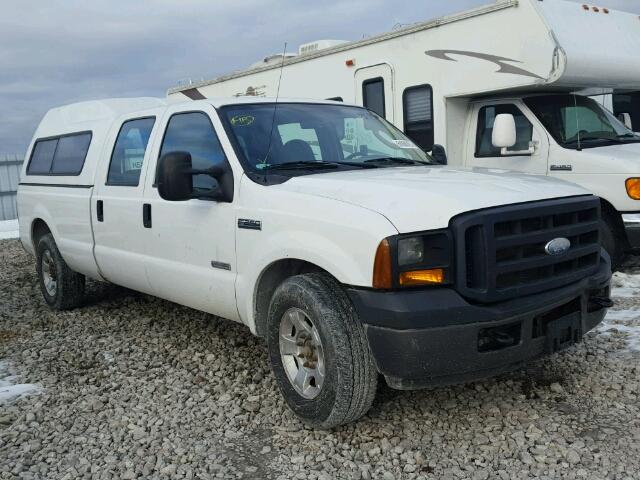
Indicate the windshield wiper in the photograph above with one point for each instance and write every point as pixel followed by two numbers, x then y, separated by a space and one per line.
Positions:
pixel 597 139
pixel 301 166
pixel 315 165
pixel 396 160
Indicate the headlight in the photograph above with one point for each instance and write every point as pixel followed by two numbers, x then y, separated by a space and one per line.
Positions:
pixel 633 188
pixel 414 260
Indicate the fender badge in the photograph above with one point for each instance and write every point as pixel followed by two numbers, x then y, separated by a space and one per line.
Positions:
pixel 248 224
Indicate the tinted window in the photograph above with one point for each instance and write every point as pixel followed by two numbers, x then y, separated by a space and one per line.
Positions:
pixel 70 154
pixel 128 152
pixel 193 133
pixel 486 118
pixel 418 115
pixel 373 95
pixel 42 157
pixel 628 103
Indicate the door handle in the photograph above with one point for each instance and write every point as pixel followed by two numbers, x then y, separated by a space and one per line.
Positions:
pixel 100 210
pixel 146 215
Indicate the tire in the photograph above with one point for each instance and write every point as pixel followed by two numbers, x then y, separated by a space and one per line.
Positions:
pixel 67 290
pixel 347 389
pixel 612 242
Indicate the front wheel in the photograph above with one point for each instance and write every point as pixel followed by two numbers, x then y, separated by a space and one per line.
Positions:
pixel 62 288
pixel 319 352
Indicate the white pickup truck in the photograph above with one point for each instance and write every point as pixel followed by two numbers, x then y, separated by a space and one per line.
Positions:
pixel 322 228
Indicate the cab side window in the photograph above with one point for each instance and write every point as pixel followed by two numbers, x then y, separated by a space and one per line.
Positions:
pixel 486 118
pixel 194 133
pixel 128 152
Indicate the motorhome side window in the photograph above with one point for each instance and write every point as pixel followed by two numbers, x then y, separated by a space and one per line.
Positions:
pixel 193 132
pixel 373 95
pixel 418 115
pixel 628 103
pixel 63 155
pixel 486 118
pixel 128 152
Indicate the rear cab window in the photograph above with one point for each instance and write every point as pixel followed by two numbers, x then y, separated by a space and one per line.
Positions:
pixel 61 155
pixel 128 153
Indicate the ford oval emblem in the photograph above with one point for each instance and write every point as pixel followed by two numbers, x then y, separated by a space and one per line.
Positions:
pixel 557 246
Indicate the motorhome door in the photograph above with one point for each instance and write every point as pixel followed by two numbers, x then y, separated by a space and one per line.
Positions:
pixel 375 89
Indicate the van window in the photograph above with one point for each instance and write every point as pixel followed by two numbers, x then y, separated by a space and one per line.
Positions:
pixel 418 115
pixel 486 118
pixel 628 103
pixel 128 152
pixel 63 155
pixel 193 132
pixel 373 95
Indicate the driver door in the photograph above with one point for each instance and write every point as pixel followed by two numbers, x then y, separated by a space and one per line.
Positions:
pixel 529 154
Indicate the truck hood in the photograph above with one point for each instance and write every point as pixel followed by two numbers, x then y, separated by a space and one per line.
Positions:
pixel 424 198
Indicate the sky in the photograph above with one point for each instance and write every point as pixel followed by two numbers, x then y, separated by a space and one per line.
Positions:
pixel 54 52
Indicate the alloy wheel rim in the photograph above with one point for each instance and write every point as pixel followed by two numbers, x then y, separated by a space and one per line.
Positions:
pixel 49 274
pixel 302 353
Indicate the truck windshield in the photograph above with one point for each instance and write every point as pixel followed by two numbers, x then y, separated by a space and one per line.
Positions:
pixel 577 122
pixel 316 137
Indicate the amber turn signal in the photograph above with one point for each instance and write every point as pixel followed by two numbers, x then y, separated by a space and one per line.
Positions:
pixel 382 267
pixel 633 188
pixel 422 277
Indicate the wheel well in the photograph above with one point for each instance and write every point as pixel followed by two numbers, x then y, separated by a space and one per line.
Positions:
pixel 613 218
pixel 270 279
pixel 38 229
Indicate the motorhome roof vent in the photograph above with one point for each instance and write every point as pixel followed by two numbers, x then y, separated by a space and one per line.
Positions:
pixel 312 47
pixel 273 59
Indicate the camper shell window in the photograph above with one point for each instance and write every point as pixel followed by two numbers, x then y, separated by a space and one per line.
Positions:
pixel 129 151
pixel 417 104
pixel 61 155
pixel 373 96
pixel 484 137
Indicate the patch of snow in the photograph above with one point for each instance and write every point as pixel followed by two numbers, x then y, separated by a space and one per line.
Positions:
pixel 625 322
pixel 625 285
pixel 9 229
pixel 10 390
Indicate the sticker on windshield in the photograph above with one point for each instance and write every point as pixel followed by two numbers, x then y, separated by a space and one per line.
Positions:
pixel 243 120
pixel 405 144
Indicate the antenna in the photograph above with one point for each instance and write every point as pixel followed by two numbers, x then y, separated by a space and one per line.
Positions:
pixel 275 107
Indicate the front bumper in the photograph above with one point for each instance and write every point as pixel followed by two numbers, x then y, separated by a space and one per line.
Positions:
pixel 422 338
pixel 632 228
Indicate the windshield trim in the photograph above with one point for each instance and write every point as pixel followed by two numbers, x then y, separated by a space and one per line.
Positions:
pixel 274 177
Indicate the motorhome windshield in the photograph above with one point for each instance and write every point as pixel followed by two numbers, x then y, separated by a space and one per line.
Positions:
pixel 316 137
pixel 577 122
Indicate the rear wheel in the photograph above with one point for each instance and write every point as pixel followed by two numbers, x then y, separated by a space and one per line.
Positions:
pixel 319 352
pixel 612 242
pixel 62 288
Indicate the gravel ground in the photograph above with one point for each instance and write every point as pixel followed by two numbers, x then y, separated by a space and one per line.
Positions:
pixel 136 387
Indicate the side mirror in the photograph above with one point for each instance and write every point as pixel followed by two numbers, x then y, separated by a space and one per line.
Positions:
pixel 626 119
pixel 175 179
pixel 504 131
pixel 439 154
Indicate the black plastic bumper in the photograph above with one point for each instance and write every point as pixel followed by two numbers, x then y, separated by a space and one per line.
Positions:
pixel 421 338
pixel 633 236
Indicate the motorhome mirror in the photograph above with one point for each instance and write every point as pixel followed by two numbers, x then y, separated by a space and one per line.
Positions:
pixel 504 131
pixel 626 119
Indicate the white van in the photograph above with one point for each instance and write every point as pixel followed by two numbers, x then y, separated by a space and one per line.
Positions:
pixel 322 228
pixel 443 82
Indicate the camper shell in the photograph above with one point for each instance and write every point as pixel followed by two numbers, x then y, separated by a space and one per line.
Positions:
pixel 428 78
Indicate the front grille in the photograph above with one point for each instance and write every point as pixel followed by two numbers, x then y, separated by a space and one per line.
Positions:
pixel 501 251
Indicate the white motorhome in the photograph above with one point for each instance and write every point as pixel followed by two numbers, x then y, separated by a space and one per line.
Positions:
pixel 348 265
pixel 445 81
